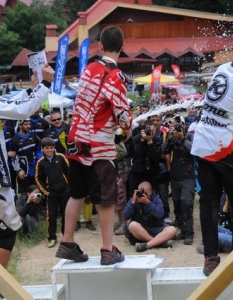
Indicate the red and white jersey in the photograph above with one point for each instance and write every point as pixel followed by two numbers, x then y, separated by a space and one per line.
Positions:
pixel 213 138
pixel 100 107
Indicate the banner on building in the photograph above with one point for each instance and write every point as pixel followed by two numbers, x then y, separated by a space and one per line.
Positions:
pixel 83 55
pixel 60 68
pixel 176 70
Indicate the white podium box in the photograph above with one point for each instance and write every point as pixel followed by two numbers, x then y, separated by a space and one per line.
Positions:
pixel 179 283
pixel 175 283
pixel 129 280
pixel 44 292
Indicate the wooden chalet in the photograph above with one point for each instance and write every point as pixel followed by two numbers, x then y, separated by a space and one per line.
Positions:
pixel 153 35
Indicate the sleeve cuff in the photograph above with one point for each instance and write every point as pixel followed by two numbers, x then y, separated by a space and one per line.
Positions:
pixel 29 91
pixel 46 83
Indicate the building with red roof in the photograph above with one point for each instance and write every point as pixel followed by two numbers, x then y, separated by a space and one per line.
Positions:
pixel 153 34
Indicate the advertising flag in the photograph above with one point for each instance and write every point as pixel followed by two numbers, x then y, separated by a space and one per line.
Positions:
pixel 176 70
pixel 155 79
pixel 61 64
pixel 83 55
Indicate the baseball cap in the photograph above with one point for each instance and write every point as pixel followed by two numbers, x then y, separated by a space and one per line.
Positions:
pixel 22 121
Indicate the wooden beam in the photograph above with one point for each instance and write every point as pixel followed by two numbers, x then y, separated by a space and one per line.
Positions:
pixel 10 288
pixel 217 282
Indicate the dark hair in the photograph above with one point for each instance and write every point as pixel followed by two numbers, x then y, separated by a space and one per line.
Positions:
pixel 112 39
pixel 32 188
pixel 148 123
pixel 47 141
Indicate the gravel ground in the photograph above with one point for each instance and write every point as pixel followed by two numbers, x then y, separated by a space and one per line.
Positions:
pixel 35 263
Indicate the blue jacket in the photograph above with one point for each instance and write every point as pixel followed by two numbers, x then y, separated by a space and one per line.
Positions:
pixel 149 214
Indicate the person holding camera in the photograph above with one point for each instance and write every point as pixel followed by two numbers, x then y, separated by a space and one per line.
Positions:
pixel 144 227
pixel 52 179
pixel 148 163
pixel 182 177
pixel 28 208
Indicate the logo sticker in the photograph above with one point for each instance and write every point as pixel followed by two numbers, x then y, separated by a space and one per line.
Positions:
pixel 218 88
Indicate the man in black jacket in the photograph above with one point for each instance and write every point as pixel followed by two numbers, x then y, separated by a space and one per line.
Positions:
pixel 148 163
pixel 182 178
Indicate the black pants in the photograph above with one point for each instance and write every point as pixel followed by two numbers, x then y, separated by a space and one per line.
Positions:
pixel 54 203
pixel 183 193
pixel 213 177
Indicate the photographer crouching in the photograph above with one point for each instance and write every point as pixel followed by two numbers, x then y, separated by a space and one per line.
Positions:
pixel 182 177
pixel 29 207
pixel 144 227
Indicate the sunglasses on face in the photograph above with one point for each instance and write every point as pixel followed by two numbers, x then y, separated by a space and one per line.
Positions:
pixel 55 120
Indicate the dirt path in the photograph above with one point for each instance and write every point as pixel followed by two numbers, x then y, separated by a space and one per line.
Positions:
pixel 36 263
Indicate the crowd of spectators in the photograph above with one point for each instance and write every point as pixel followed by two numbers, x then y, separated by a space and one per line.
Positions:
pixel 153 165
pixel 158 153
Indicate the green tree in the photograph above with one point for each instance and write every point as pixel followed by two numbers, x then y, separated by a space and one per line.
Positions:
pixel 29 23
pixel 217 6
pixel 9 45
pixel 71 7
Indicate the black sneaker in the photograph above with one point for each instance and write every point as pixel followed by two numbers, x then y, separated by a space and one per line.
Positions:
pixel 179 237
pixel 71 251
pixel 90 226
pixel 78 226
pixel 167 244
pixel 111 257
pixel 140 247
pixel 188 240
pixel 211 263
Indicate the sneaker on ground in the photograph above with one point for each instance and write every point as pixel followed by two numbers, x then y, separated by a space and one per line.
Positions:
pixel 111 257
pixel 167 244
pixel 78 226
pixel 211 263
pixel 200 249
pixel 119 231
pixel 90 226
pixel 71 251
pixel 188 240
pixel 52 243
pixel 117 225
pixel 179 237
pixel 140 247
pixel 167 220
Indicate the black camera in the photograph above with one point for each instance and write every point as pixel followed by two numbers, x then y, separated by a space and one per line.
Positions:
pixel 148 131
pixel 178 127
pixel 141 193
pixel 177 118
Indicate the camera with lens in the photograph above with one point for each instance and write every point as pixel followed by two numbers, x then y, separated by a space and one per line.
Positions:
pixel 148 131
pixel 178 127
pixel 140 193
pixel 37 195
pixel 177 118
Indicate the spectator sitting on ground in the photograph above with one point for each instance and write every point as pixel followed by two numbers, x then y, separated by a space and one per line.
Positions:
pixel 28 209
pixel 224 227
pixel 144 227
